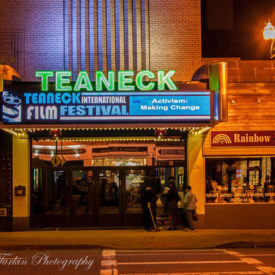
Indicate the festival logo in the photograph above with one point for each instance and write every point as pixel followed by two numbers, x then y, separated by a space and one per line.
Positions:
pixel 11 108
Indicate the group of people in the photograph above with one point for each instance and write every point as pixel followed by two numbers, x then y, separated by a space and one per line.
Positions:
pixel 171 198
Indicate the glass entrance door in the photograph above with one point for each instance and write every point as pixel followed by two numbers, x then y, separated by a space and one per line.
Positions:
pixel 134 178
pixel 56 197
pixel 63 197
pixel 83 198
pixel 109 201
pixel 132 211
pixel 87 196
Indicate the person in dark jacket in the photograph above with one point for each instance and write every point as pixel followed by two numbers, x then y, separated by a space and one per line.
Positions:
pixel 165 190
pixel 146 202
pixel 172 203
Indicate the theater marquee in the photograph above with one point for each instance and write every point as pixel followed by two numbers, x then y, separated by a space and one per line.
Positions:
pixel 131 99
pixel 86 107
pixel 242 138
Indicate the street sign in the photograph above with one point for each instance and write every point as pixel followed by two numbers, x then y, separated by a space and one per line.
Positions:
pixel 55 161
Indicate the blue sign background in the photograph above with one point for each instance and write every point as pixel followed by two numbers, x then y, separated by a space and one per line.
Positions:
pixel 90 107
pixel 164 105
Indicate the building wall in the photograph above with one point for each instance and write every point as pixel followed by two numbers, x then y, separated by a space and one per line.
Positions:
pixel 251 104
pixel 248 71
pixel 196 173
pixel 175 36
pixel 241 216
pixel 21 177
pixel 196 169
pixel 100 35
pixel 5 181
pixel 250 107
pixel 31 35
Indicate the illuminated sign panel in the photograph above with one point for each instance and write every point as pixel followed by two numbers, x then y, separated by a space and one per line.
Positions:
pixel 125 81
pixel 242 138
pixel 90 107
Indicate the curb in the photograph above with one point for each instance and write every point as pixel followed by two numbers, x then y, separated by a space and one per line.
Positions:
pixel 244 244
pixel 240 244
pixel 54 246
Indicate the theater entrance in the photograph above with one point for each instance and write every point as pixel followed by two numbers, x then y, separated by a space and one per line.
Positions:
pixel 94 196
pixel 98 183
pixel 87 196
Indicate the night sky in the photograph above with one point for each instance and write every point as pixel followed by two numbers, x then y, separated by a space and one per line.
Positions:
pixel 233 28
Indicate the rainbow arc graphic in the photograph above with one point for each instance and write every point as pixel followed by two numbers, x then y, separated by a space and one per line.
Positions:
pixel 222 139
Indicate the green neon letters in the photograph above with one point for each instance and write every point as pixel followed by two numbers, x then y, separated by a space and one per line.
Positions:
pixel 61 78
pixel 139 81
pixel 44 79
pixel 126 81
pixel 166 79
pixel 83 82
pixel 101 78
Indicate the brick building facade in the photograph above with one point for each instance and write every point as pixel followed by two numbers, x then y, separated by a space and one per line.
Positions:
pixel 101 35
pixel 105 35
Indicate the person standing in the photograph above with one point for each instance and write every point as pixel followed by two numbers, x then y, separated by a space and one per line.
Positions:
pixel 146 193
pixel 163 198
pixel 189 202
pixel 172 203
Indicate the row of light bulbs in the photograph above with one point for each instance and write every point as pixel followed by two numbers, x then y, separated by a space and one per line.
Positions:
pixel 22 132
pixel 115 139
pixel 100 129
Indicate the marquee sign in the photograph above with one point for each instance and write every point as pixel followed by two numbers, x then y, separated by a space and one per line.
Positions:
pixel 119 149
pixel 28 106
pixel 126 81
pixel 242 138
pixel 172 151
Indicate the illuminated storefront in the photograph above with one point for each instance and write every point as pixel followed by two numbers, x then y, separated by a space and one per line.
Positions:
pixel 244 179
pixel 90 151
pixel 112 91
pixel 239 161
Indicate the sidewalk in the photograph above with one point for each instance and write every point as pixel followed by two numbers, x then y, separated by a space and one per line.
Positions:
pixel 136 239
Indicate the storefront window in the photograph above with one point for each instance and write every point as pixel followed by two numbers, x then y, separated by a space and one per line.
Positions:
pixel 240 180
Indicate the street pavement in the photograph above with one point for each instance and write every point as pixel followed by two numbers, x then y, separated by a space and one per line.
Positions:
pixel 138 262
pixel 192 262
pixel 135 251
pixel 136 239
